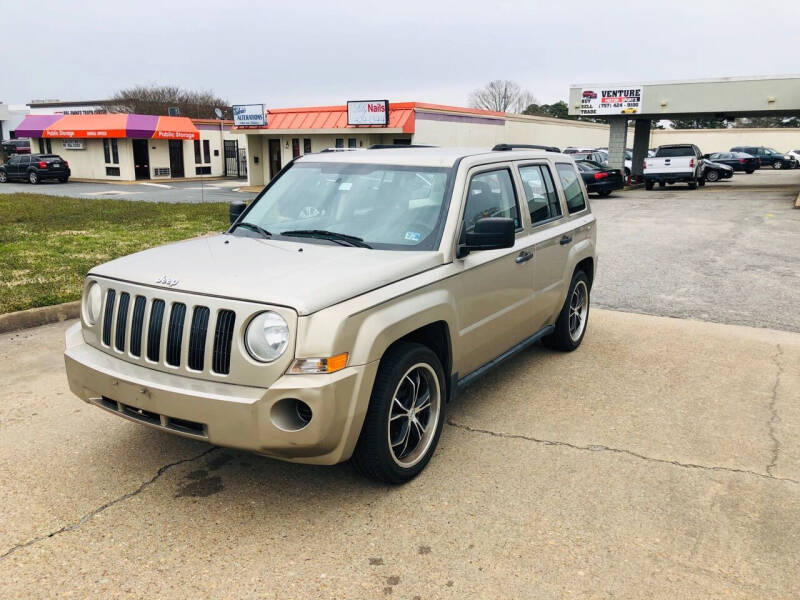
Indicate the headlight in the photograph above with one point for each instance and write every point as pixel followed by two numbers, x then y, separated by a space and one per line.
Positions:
pixel 267 337
pixel 94 302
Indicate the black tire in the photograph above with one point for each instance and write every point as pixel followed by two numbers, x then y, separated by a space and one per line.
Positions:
pixel 693 185
pixel 712 176
pixel 374 456
pixel 777 165
pixel 648 184
pixel 3 177
pixel 750 171
pixel 662 184
pixel 33 177
pixel 701 182
pixel 604 194
pixel 563 337
pixel 63 179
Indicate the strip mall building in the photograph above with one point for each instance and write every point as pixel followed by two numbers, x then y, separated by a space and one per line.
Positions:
pixel 129 147
pixel 292 132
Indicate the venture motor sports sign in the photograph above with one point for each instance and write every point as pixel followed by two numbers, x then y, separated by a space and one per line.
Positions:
pixel 249 115
pixel 617 101
pixel 368 112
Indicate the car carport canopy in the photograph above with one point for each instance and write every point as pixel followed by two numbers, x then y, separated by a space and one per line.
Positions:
pixel 722 98
pixel 107 126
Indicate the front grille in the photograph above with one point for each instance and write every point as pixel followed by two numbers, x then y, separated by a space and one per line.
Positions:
pixel 175 334
pixel 222 341
pixel 144 324
pixel 154 330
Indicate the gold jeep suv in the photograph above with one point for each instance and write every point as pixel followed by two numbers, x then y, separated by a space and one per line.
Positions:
pixel 345 306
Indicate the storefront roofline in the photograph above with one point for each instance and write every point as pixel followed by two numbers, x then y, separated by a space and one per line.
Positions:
pixel 330 131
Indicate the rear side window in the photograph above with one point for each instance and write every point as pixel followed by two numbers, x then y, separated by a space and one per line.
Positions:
pixel 572 187
pixel 490 194
pixel 540 193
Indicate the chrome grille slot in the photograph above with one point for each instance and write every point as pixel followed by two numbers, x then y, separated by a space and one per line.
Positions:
pixel 197 337
pixel 108 316
pixel 175 333
pixel 122 321
pixel 137 324
pixel 154 330
pixel 223 336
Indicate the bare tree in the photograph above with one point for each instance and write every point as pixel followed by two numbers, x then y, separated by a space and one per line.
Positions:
pixel 157 99
pixel 502 95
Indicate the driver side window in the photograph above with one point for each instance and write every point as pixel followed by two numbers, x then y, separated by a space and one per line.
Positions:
pixel 491 194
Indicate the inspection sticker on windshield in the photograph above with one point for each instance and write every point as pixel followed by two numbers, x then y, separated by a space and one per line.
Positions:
pixel 413 236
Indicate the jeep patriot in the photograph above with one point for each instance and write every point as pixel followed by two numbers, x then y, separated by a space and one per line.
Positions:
pixel 345 306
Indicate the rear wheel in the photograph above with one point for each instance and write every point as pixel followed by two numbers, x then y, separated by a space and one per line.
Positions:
pixel 693 185
pixel 33 177
pixel 778 164
pixel 63 179
pixel 749 171
pixel 712 176
pixel 604 194
pixel 405 415
pixel 648 184
pixel 3 177
pixel 571 323
pixel 661 184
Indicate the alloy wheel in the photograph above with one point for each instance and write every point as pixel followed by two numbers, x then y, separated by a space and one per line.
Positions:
pixel 578 310
pixel 414 415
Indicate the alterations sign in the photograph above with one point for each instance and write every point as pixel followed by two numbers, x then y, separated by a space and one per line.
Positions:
pixel 249 115
pixel 368 112
pixel 617 101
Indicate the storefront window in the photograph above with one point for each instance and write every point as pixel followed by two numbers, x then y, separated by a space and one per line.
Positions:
pixel 197 157
pixel 340 142
pixel 206 152
pixel 295 147
pixel 351 142
pixel 106 151
pixel 114 152
pixel 306 145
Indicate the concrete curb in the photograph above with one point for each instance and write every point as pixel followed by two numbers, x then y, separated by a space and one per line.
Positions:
pixel 797 201
pixel 34 317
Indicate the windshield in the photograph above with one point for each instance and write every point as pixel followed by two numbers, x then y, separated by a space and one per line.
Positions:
pixel 388 207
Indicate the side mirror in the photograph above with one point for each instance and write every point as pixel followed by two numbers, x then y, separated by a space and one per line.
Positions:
pixel 490 233
pixel 706 156
pixel 235 209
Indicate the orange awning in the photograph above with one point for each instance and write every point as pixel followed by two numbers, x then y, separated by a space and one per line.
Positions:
pixel 175 128
pixel 88 126
pixel 109 126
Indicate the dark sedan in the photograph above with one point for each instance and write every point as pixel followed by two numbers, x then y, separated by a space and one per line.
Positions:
pixel 599 179
pixel 738 161
pixel 714 171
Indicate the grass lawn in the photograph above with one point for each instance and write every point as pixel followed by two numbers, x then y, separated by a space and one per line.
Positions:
pixel 49 243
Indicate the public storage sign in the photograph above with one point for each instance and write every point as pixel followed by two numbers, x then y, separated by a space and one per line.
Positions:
pixel 249 115
pixel 623 100
pixel 368 112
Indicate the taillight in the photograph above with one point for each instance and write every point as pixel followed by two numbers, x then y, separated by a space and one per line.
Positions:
pixel 691 162
pixel 42 164
pixel 601 175
pixel 66 164
pixel 644 164
pixel 742 161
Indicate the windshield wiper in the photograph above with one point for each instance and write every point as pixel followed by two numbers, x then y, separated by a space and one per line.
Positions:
pixel 350 240
pixel 254 227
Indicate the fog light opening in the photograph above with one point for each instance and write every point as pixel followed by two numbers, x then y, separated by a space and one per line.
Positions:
pixel 290 414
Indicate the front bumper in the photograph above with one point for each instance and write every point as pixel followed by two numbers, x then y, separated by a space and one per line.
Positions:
pixel 235 416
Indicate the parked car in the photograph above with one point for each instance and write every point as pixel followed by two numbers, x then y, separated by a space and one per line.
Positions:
pixel 21 146
pixel 628 159
pixel 739 161
pixel 768 156
pixel 591 155
pixel 675 163
pixel 347 333
pixel 713 171
pixel 599 179
pixel 35 168
pixel 795 154
pixel 574 150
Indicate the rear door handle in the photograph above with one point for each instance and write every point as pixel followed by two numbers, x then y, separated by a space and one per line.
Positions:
pixel 565 239
pixel 523 256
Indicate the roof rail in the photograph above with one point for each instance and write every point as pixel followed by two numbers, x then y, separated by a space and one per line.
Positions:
pixel 339 150
pixel 390 146
pixel 507 147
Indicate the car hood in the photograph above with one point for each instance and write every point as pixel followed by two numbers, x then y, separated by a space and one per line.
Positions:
pixel 304 276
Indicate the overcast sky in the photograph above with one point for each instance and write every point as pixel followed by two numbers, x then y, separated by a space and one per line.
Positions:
pixel 312 52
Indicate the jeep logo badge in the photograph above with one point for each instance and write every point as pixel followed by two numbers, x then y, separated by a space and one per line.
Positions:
pixel 164 280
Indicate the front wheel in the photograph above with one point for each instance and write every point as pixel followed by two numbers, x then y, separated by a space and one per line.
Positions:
pixel 405 415
pixel 571 323
pixel 712 176
pixel 33 177
pixel 778 164
pixel 3 177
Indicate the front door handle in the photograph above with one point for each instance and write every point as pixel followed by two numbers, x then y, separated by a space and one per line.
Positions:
pixel 565 239
pixel 523 256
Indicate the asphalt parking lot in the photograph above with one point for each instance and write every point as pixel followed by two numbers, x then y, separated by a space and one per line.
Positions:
pixel 213 190
pixel 662 459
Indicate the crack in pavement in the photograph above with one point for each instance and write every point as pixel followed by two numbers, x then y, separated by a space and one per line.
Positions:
pixel 773 419
pixel 601 448
pixel 90 515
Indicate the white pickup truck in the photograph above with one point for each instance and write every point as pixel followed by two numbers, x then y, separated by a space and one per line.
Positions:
pixel 674 163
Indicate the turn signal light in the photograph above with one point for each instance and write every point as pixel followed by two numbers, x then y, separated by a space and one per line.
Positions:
pixel 319 365
pixel 601 175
